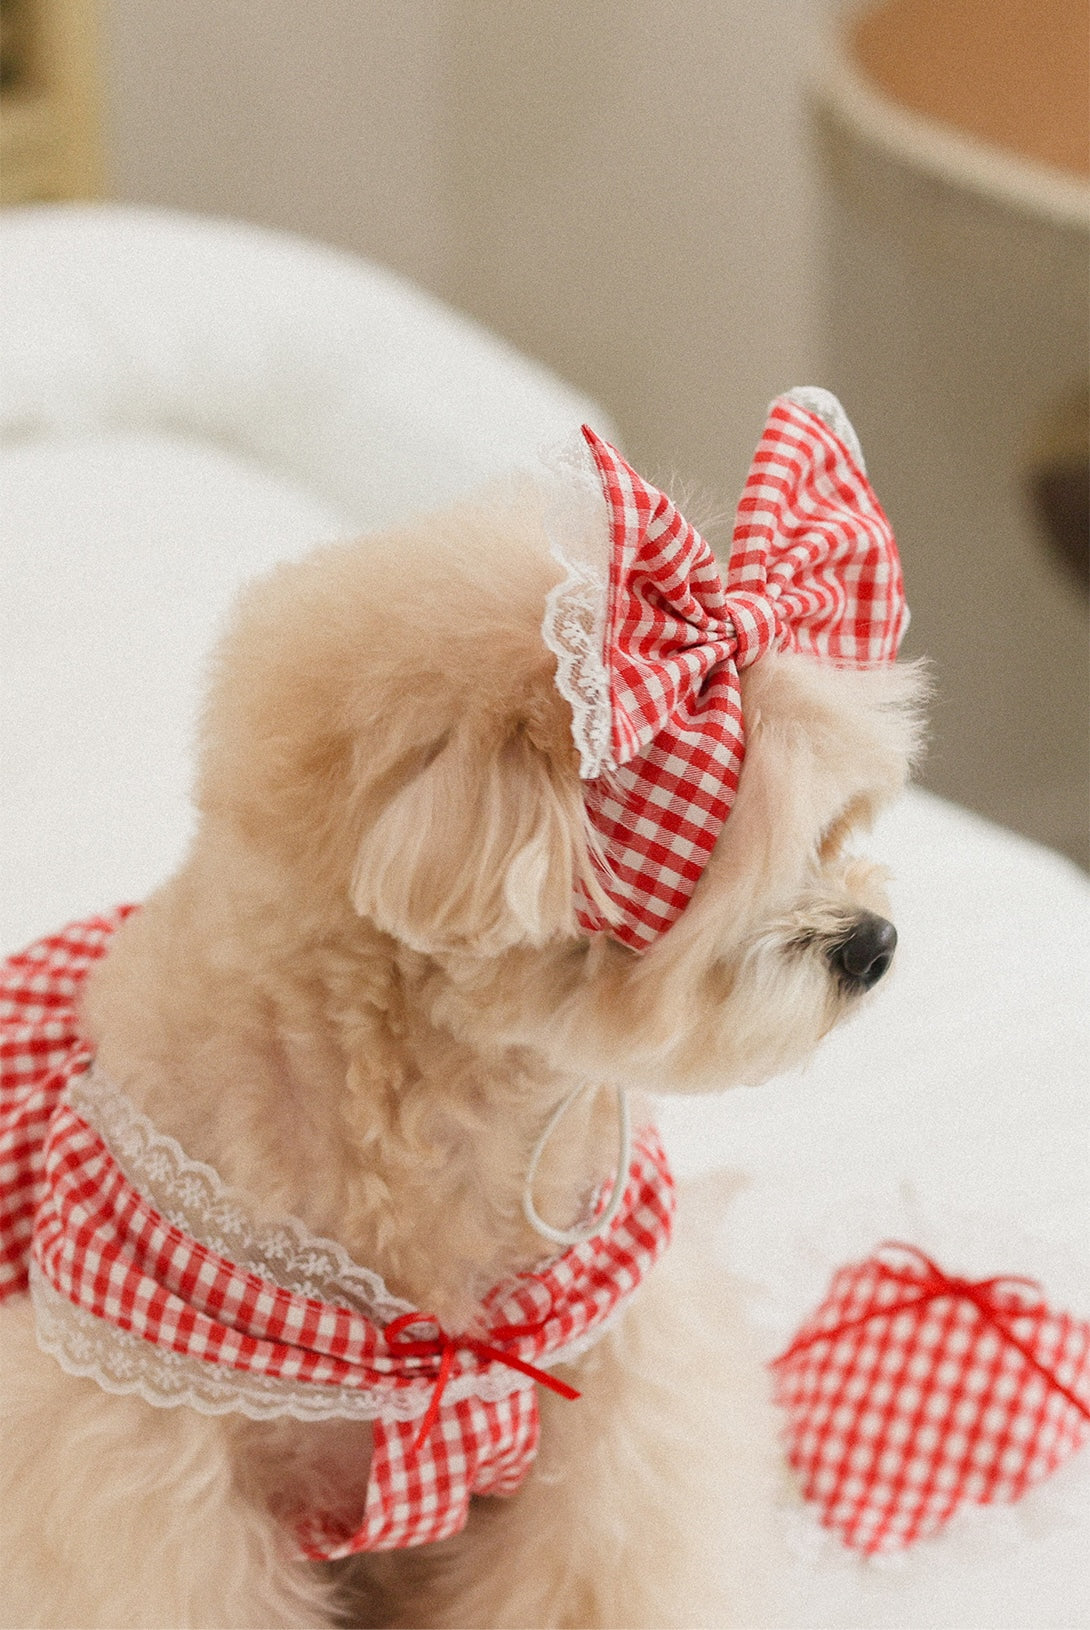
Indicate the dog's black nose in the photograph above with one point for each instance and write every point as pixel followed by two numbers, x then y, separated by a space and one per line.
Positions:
pixel 867 952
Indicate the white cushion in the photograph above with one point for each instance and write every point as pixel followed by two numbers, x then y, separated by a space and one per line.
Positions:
pixel 310 362
pixel 184 402
pixel 121 550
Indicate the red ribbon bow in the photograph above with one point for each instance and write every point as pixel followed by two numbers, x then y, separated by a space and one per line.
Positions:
pixel 985 1295
pixel 446 1348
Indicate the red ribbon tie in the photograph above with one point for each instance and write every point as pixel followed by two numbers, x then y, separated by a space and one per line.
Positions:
pixel 446 1348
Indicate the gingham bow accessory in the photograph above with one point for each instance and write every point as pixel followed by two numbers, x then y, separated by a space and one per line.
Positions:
pixel 651 671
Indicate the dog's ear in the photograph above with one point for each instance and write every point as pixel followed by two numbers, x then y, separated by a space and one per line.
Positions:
pixel 475 852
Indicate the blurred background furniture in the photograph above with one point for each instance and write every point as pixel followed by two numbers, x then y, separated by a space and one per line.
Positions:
pixel 50 101
pixel 184 402
pixel 956 140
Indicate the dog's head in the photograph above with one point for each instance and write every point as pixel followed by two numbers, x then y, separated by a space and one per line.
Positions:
pixel 389 759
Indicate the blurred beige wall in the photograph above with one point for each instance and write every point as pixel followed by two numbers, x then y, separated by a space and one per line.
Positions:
pixel 326 117
pixel 621 188
pixel 637 205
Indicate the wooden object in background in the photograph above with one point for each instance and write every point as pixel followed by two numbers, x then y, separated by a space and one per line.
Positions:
pixel 1010 73
pixel 1058 480
pixel 50 125
pixel 955 135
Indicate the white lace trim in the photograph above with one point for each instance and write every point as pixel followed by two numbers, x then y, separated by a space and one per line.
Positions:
pixel 121 1362
pixel 825 406
pixel 194 1197
pixel 574 629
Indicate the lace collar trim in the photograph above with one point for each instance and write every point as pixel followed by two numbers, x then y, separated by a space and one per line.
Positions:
pixel 191 1195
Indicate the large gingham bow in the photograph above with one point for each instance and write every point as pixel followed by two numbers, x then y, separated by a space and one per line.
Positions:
pixel 813 568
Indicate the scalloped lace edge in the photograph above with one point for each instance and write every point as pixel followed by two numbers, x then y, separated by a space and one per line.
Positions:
pixel 195 1198
pixel 574 627
pixel 120 1362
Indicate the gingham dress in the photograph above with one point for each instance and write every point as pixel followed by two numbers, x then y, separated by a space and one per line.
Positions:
pixel 124 1293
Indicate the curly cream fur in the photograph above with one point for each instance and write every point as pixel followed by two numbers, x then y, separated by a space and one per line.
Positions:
pixel 360 998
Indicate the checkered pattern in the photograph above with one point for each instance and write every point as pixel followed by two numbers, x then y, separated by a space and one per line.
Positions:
pixel 101 1245
pixel 416 1497
pixel 909 1392
pixel 40 1049
pixel 813 568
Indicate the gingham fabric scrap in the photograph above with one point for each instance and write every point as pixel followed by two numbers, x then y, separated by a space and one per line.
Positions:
pixel 909 1392
pixel 813 568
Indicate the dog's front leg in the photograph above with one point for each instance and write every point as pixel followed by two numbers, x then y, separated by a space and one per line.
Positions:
pixel 114 1513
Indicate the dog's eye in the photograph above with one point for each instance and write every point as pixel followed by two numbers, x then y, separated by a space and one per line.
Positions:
pixel 832 841
pixel 858 813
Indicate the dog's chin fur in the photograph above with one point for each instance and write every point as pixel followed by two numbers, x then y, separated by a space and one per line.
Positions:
pixel 364 993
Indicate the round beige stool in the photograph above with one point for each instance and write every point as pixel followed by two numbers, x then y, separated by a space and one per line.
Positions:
pixel 955 136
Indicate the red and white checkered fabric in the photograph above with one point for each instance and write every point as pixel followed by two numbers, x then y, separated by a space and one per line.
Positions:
pixel 909 1392
pixel 813 568
pixel 40 1049
pixel 100 1244
pixel 418 1495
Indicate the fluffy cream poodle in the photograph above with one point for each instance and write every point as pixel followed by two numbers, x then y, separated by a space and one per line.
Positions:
pixel 361 1001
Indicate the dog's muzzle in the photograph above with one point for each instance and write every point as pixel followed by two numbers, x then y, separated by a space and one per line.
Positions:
pixel 863 957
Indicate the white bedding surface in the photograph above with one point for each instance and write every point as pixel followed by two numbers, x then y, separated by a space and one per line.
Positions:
pixel 953 1113
pixel 184 403
pixel 125 548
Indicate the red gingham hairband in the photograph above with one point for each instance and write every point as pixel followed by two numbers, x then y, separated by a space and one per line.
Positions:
pixel 813 568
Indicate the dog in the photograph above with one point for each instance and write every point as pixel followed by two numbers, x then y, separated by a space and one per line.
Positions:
pixel 396 994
